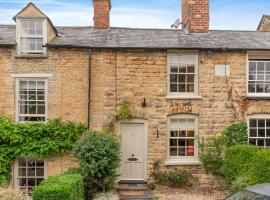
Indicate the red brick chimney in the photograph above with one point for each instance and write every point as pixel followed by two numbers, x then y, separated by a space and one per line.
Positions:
pixel 195 16
pixel 102 10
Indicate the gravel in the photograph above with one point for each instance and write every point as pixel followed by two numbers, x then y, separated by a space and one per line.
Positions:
pixel 167 193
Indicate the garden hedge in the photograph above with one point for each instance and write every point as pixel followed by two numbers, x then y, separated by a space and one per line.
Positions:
pixel 250 164
pixel 67 186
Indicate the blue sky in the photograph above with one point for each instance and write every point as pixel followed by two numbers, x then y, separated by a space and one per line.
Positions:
pixel 224 14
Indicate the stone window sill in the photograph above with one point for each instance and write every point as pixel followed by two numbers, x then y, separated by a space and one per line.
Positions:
pixel 182 162
pixel 176 97
pixel 262 97
pixel 31 56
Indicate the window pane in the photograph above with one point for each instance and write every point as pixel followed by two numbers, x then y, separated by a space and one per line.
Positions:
pixel 267 132
pixel 174 69
pixel 253 132
pixel 190 78
pixel 182 78
pixel 22 182
pixel 173 78
pixel 182 142
pixel 190 88
pixel 260 67
pixel 253 123
pixel 40 172
pixel 174 133
pixel 22 172
pixel 261 123
pixel 173 87
pixel 261 133
pixel 181 88
pixel 173 142
pixel 182 69
pixel 267 142
pixel 252 141
pixel 260 142
pixel 191 69
pixel 190 134
pixel 251 88
pixel 182 151
pixel 252 66
pixel 173 151
pixel 22 163
pixel 182 134
pixel 31 172
pixel 259 88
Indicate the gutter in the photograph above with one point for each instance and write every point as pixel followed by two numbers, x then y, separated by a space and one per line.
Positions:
pixel 89 87
pixel 156 48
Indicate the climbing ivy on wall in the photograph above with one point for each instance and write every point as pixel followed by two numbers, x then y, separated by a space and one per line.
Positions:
pixel 34 140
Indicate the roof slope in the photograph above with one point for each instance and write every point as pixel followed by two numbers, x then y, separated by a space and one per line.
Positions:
pixel 149 38
pixel 7 35
pixel 160 38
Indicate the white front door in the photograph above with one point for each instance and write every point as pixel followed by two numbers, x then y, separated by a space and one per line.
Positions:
pixel 134 150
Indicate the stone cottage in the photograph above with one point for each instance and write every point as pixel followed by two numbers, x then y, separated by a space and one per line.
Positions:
pixel 180 84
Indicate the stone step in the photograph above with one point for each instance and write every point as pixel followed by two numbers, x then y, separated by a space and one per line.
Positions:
pixel 135 195
pixel 134 191
pixel 133 187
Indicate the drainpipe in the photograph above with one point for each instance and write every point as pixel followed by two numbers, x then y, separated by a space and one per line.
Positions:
pixel 89 87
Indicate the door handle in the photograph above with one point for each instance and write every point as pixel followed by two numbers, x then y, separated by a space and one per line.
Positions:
pixel 132 159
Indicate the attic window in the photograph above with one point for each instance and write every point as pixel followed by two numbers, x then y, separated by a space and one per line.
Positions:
pixel 31 36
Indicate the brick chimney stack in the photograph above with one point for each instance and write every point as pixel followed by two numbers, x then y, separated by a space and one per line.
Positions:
pixel 195 16
pixel 102 10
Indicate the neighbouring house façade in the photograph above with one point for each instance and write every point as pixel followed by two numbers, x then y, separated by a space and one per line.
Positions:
pixel 180 84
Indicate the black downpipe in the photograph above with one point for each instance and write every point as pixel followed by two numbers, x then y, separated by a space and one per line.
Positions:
pixel 89 87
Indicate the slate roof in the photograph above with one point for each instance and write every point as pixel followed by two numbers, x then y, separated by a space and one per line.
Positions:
pixel 87 37
pixel 7 35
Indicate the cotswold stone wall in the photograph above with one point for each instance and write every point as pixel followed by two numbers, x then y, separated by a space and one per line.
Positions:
pixel 67 89
pixel 130 76
pixel 134 75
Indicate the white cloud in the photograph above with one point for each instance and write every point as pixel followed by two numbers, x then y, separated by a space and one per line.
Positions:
pixel 72 14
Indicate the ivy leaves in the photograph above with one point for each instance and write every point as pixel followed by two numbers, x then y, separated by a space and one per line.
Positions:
pixel 34 140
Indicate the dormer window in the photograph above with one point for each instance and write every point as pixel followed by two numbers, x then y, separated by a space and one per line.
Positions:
pixel 32 36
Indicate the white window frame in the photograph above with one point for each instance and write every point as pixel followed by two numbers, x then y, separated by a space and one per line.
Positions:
pixel 17 95
pixel 19 35
pixel 183 95
pixel 183 160
pixel 256 56
pixel 257 116
pixel 16 167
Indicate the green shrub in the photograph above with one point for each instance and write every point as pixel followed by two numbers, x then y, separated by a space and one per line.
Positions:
pixel 238 184
pixel 173 178
pixel 99 156
pixel 236 134
pixel 237 160
pixel 246 165
pixel 212 154
pixel 67 186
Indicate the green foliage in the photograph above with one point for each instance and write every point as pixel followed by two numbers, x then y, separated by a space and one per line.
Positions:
pixel 99 156
pixel 123 112
pixel 34 140
pixel 212 153
pixel 173 178
pixel 238 184
pixel 247 164
pixel 67 186
pixel 236 134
